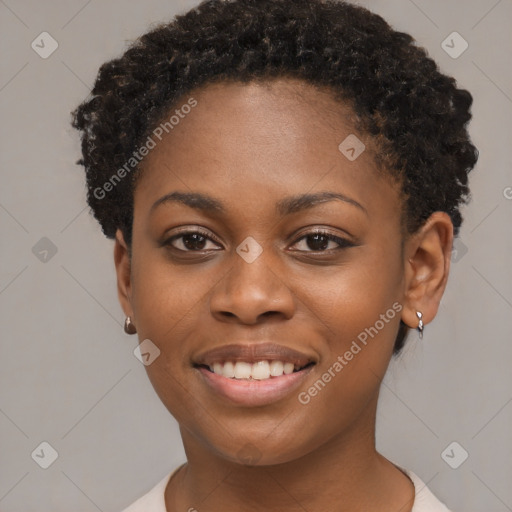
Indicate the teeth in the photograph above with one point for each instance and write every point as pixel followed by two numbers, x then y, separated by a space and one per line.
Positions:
pixel 276 368
pixel 260 370
pixel 228 370
pixel 242 370
pixel 288 368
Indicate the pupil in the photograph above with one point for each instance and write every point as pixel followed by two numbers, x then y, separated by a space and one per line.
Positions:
pixel 197 241
pixel 317 245
pixel 196 238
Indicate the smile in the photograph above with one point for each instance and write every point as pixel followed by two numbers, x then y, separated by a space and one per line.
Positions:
pixel 261 370
pixel 253 375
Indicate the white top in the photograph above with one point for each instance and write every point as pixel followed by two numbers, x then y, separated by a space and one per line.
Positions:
pixel 153 501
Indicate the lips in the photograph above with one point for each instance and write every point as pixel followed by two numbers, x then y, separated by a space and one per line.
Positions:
pixel 253 353
pixel 252 375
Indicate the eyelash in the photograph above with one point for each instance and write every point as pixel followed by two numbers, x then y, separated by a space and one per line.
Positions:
pixel 342 242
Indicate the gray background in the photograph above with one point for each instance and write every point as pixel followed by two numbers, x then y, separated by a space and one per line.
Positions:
pixel 69 376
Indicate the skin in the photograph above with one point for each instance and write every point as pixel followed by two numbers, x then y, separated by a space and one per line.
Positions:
pixel 249 146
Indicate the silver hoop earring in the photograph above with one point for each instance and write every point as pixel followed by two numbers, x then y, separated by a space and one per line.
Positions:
pixel 129 328
pixel 420 323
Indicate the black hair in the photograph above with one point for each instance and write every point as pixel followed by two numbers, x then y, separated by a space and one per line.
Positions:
pixel 416 115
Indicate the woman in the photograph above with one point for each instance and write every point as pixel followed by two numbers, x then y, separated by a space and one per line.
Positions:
pixel 282 180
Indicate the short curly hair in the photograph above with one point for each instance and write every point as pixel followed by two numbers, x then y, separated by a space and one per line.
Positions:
pixel 415 115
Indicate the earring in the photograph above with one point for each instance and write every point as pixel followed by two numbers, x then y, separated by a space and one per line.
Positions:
pixel 420 323
pixel 129 327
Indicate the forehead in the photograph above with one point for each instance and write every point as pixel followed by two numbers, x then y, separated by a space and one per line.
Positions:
pixel 259 140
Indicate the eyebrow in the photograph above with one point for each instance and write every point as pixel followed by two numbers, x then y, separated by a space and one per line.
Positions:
pixel 286 206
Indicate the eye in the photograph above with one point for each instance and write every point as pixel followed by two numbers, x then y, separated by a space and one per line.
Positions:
pixel 197 240
pixel 319 241
pixel 190 241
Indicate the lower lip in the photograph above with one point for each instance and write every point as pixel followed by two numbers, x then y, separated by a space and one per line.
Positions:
pixel 254 393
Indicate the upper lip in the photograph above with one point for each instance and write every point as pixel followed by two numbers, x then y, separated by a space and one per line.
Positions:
pixel 252 353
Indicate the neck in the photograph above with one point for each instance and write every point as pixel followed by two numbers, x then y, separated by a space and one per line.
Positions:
pixel 347 469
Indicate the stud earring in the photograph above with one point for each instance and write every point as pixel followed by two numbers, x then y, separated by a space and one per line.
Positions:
pixel 420 323
pixel 129 328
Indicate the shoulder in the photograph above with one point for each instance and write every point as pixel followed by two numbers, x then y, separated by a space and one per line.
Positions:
pixel 424 500
pixel 154 500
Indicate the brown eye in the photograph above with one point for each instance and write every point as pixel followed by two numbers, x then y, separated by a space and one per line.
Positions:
pixel 321 241
pixel 190 241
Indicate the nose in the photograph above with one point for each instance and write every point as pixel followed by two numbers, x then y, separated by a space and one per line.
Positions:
pixel 252 292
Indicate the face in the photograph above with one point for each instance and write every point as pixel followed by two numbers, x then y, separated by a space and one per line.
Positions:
pixel 265 268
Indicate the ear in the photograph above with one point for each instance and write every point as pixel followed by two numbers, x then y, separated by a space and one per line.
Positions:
pixel 123 270
pixel 427 264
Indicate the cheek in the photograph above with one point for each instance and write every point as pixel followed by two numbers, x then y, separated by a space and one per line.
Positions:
pixel 355 300
pixel 360 318
pixel 358 309
pixel 166 298
pixel 167 305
